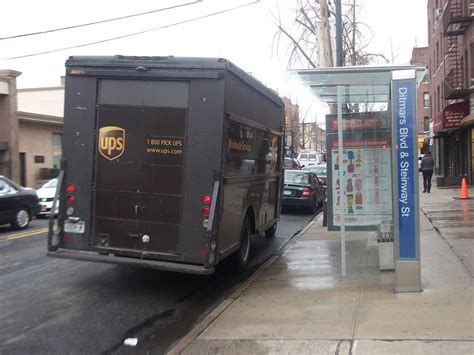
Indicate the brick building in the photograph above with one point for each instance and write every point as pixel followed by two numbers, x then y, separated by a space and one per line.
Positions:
pixel 450 59
pixel 292 129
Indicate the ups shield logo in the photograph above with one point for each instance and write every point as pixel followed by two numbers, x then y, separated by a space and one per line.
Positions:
pixel 111 142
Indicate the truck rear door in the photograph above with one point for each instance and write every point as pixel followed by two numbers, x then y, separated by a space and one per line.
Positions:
pixel 140 127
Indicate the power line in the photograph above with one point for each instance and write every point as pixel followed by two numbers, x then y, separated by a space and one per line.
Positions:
pixel 98 22
pixel 133 34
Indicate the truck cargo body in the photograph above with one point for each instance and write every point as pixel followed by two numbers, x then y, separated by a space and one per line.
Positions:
pixel 165 159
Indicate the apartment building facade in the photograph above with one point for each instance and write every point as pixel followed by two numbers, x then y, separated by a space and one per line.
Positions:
pixel 292 128
pixel 450 60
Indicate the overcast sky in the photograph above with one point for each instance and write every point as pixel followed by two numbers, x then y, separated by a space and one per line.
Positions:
pixel 244 36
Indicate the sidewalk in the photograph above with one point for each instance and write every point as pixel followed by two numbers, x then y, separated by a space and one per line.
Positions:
pixel 299 304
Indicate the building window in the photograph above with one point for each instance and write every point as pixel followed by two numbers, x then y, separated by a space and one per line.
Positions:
pixel 57 150
pixel 426 124
pixel 39 159
pixel 426 99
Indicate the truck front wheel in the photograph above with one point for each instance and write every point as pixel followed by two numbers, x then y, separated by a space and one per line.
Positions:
pixel 242 255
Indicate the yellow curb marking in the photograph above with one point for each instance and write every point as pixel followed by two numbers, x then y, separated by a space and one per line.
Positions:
pixel 25 235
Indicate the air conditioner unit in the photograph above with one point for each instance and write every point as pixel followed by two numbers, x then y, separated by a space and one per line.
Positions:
pixel 438 13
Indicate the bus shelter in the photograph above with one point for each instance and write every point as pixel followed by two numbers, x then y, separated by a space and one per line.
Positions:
pixel 372 159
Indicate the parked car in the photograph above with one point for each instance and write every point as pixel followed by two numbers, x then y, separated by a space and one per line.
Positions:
pixel 320 171
pixel 18 205
pixel 291 163
pixel 46 196
pixel 302 188
pixel 308 159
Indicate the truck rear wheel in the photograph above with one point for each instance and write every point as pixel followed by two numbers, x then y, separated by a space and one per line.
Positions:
pixel 242 255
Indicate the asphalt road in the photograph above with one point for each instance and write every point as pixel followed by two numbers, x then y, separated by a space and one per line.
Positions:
pixel 64 306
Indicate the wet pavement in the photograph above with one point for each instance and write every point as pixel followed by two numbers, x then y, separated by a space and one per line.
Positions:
pixel 453 218
pixel 300 303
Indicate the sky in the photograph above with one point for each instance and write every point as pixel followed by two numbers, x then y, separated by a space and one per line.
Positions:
pixel 245 36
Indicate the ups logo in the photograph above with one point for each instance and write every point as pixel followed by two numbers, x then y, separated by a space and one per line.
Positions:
pixel 111 142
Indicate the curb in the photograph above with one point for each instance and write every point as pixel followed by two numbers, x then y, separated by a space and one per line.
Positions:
pixel 202 325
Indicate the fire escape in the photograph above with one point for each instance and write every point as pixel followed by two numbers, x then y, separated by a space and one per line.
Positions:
pixel 456 20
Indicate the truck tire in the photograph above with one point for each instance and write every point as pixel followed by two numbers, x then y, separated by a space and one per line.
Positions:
pixel 270 232
pixel 22 218
pixel 242 255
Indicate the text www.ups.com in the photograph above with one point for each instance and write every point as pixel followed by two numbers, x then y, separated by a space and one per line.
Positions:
pixel 164 146
pixel 164 151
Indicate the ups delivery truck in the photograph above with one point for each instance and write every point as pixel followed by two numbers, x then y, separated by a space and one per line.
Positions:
pixel 168 163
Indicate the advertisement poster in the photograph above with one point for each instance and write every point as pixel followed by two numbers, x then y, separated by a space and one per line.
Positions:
pixel 365 168
pixel 366 187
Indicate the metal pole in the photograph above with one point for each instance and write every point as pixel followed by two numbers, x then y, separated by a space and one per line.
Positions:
pixel 338 34
pixel 342 183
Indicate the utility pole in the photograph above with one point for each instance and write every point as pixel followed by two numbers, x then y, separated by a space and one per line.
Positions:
pixel 339 61
pixel 325 47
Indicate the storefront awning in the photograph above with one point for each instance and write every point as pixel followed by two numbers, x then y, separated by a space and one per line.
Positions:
pixel 450 118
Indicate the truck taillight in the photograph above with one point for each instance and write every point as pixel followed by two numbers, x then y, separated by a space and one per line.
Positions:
pixel 206 200
pixel 70 200
pixel 306 192
pixel 205 211
pixel 70 189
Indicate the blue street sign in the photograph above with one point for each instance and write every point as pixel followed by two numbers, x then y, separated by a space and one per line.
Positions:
pixel 404 100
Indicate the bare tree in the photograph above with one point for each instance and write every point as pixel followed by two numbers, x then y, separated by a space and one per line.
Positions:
pixel 304 35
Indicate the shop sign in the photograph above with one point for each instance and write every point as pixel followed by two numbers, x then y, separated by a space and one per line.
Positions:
pixel 450 118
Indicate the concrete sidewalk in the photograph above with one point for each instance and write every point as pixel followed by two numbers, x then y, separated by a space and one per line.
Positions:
pixel 299 303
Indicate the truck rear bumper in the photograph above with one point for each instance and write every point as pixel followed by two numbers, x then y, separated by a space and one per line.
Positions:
pixel 140 263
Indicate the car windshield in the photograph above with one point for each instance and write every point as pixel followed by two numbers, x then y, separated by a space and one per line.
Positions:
pixel 51 183
pixel 6 188
pixel 303 156
pixel 296 177
pixel 312 156
pixel 318 170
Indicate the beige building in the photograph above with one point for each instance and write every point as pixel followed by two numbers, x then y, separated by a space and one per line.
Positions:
pixel 31 125
pixel 9 157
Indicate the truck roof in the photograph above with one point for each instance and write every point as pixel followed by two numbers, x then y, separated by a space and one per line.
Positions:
pixel 172 62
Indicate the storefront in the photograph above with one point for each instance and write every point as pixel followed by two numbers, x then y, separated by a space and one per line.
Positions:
pixel 453 144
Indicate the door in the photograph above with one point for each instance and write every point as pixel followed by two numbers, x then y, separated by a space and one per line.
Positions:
pixel 23 169
pixel 9 200
pixel 139 167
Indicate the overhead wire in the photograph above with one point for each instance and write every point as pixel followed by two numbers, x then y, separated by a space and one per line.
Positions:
pixel 99 22
pixel 133 34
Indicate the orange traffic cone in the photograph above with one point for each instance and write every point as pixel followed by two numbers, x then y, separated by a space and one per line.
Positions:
pixel 464 192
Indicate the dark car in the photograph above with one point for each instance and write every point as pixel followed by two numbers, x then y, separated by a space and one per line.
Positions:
pixel 302 189
pixel 18 205
pixel 320 171
pixel 291 163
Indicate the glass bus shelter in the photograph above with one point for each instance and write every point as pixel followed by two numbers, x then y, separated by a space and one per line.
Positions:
pixel 372 159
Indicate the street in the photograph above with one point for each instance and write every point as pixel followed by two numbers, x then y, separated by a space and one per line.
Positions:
pixel 64 306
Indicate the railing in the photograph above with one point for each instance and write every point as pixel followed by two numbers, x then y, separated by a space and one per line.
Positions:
pixel 456 17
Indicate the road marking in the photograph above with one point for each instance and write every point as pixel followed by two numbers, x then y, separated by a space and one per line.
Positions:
pixel 25 235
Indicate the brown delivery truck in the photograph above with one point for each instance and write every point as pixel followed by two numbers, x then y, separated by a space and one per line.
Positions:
pixel 168 163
